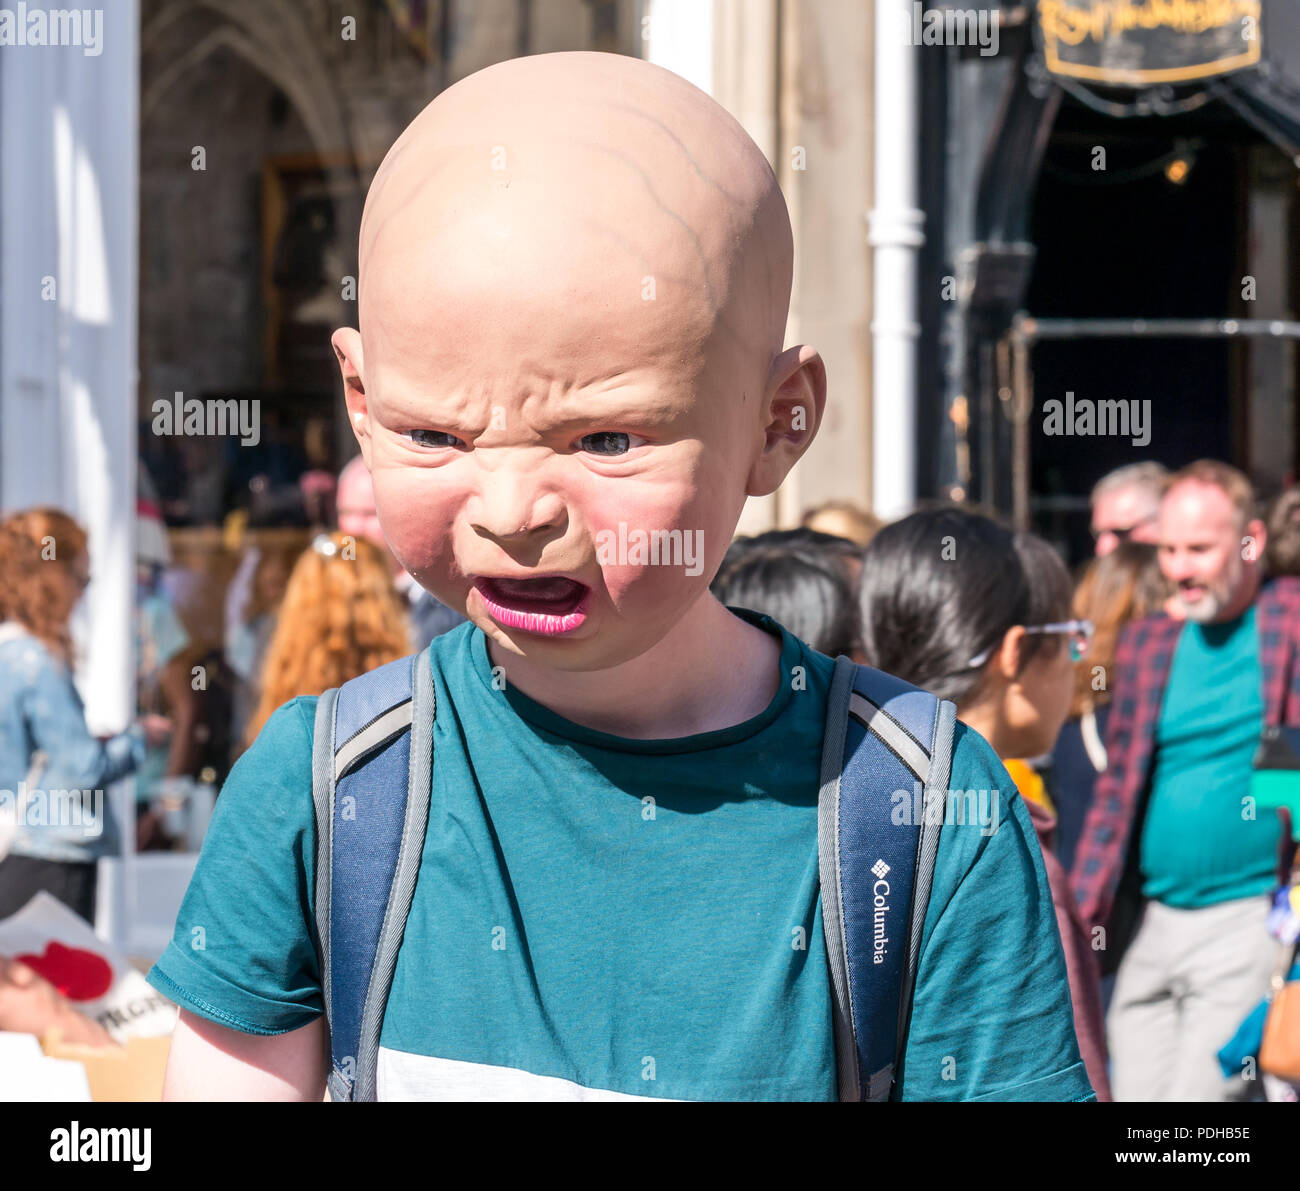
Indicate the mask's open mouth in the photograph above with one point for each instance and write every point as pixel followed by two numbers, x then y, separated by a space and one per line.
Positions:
pixel 550 605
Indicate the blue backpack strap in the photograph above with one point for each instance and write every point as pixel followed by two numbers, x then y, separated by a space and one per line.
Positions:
pixel 886 742
pixel 371 776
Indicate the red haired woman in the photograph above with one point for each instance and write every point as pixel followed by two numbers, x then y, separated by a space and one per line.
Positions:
pixel 341 616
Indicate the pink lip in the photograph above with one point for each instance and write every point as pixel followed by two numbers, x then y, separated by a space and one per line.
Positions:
pixel 546 624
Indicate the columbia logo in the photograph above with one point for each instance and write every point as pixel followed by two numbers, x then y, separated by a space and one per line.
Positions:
pixel 880 868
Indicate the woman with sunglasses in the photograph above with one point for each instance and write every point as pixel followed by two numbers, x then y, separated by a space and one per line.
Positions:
pixel 956 603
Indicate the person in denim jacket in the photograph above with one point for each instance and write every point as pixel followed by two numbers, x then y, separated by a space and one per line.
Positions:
pixel 50 839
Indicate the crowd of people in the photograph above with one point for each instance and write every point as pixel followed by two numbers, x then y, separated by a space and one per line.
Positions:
pixel 1128 710
pixel 1126 707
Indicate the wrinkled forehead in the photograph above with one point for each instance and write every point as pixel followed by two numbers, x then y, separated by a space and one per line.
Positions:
pixel 547 219
pixel 532 270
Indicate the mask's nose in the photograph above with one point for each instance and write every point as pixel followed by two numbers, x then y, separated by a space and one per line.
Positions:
pixel 513 507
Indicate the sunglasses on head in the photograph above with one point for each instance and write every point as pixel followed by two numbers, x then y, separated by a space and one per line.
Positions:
pixel 1122 534
pixel 1125 533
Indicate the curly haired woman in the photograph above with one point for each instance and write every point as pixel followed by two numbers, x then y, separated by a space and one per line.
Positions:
pixel 45 745
pixel 341 616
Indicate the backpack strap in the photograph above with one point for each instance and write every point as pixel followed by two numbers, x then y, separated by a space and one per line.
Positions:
pixel 371 775
pixel 886 743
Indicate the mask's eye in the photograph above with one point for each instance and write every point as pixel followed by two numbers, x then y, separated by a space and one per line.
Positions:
pixel 609 442
pixel 434 438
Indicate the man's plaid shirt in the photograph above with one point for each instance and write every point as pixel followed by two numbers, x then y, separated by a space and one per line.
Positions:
pixel 1142 661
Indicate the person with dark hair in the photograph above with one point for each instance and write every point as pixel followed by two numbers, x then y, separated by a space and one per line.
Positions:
pixel 945 585
pixel 1282 553
pixel 802 579
pixel 956 603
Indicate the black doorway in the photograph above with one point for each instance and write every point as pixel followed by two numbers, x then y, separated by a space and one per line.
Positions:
pixel 1158 233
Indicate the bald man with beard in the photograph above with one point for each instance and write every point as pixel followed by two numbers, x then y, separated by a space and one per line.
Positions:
pixel 569 374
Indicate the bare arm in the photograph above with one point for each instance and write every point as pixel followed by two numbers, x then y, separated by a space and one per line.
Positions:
pixel 211 1062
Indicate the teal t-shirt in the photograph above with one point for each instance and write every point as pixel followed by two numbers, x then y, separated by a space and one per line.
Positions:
pixel 596 916
pixel 1200 845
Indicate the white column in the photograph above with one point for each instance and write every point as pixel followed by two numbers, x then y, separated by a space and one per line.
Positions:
pixel 895 234
pixel 679 37
pixel 69 132
pixel 68 261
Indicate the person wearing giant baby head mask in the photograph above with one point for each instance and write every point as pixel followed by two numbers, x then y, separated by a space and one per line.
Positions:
pixel 569 374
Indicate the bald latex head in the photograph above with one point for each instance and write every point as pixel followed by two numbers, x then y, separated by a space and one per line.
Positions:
pixel 575 276
pixel 548 197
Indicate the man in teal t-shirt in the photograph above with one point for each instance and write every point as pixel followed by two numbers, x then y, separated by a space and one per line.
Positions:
pixel 1191 696
pixel 569 376
pixel 597 916
pixel 1198 848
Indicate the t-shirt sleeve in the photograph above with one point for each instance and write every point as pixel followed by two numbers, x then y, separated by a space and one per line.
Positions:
pixel 991 1012
pixel 244 950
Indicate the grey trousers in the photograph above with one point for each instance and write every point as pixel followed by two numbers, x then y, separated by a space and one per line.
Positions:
pixel 1185 984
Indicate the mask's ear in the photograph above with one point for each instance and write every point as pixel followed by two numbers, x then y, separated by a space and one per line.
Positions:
pixel 346 342
pixel 792 410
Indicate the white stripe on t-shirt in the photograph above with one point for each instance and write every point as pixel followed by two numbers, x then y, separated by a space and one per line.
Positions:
pixel 404 1076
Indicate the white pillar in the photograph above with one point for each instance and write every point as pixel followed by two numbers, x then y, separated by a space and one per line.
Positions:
pixel 679 37
pixel 895 234
pixel 69 133
pixel 68 261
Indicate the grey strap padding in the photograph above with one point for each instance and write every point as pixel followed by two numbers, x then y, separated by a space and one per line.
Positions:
pixel 378 732
pixel 884 726
pixel 828 846
pixel 322 794
pixel 421 711
pixel 936 787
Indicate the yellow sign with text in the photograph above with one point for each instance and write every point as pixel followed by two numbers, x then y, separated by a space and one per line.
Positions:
pixel 1136 43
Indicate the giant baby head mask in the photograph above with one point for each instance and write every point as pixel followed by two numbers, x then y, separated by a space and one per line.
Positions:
pixel 569 371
